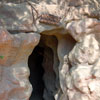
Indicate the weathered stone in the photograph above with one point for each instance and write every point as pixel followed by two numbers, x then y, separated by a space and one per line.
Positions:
pixel 86 52
pixel 16 17
pixel 79 29
pixel 14 72
pixel 74 67
pixel 82 82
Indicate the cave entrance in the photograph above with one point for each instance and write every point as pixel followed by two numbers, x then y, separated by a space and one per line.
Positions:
pixel 36 73
pixel 42 72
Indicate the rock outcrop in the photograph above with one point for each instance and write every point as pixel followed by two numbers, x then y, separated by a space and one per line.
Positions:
pixel 71 48
pixel 14 71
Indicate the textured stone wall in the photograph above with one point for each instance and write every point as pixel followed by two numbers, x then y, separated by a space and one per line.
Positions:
pixel 76 49
pixel 14 71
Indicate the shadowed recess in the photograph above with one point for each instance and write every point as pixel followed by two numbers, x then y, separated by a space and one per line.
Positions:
pixel 36 73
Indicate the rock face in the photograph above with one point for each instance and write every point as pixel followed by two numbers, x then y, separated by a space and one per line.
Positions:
pixel 71 48
pixel 14 72
pixel 16 17
pixel 82 79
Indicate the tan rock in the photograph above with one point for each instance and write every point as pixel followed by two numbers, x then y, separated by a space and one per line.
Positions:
pixel 16 17
pixel 14 72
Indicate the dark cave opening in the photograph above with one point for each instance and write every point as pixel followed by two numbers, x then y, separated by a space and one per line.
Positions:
pixel 43 75
pixel 36 73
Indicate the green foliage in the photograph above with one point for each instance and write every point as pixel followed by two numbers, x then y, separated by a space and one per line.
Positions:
pixel 1 57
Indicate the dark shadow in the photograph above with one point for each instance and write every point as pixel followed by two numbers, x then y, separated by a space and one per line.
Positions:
pixel 36 73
